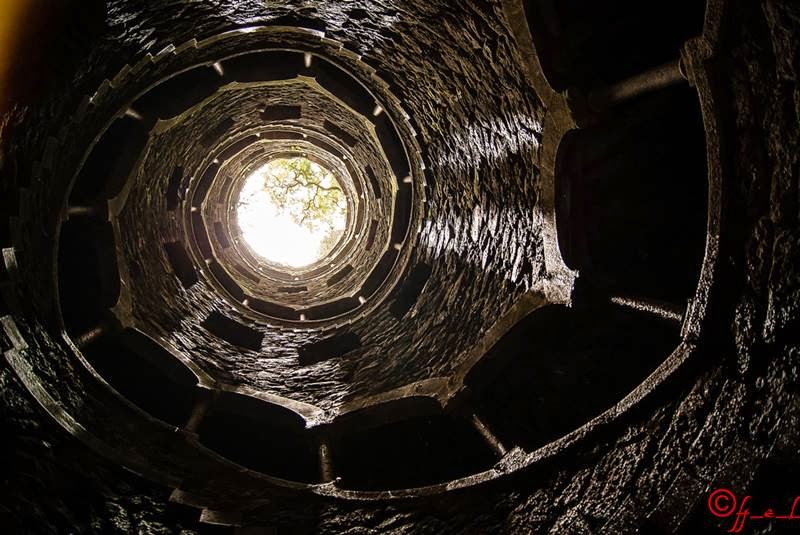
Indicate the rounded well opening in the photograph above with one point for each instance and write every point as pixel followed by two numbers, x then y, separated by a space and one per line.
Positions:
pixel 292 211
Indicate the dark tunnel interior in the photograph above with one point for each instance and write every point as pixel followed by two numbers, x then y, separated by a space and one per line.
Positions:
pixel 398 266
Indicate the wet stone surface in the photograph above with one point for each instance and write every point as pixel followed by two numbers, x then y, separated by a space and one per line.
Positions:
pixel 479 123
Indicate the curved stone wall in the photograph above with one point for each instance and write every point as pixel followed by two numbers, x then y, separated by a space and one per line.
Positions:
pixel 584 309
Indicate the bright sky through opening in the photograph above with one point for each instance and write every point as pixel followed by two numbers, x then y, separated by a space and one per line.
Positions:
pixel 289 218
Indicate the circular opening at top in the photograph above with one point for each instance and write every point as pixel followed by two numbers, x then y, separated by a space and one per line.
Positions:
pixel 292 211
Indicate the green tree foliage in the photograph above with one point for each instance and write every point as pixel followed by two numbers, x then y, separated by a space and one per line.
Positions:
pixel 310 195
